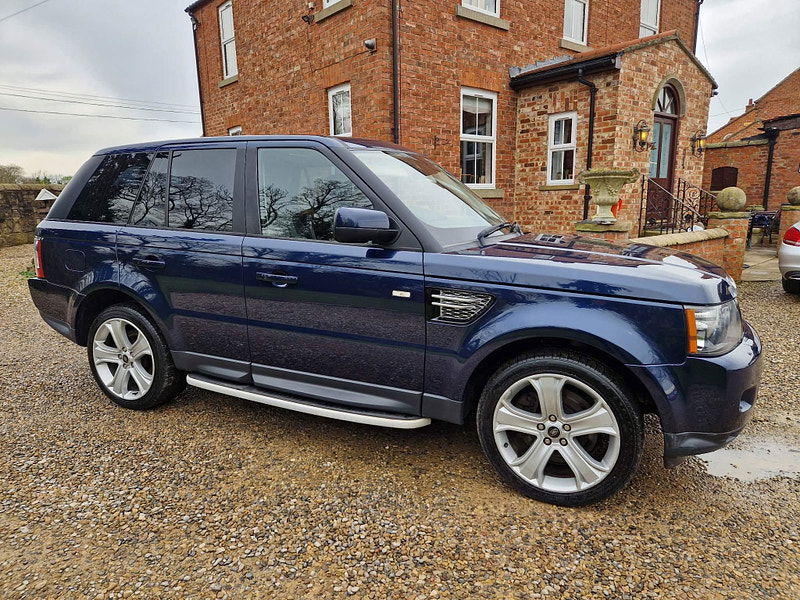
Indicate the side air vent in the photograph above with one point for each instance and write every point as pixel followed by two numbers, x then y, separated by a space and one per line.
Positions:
pixel 457 306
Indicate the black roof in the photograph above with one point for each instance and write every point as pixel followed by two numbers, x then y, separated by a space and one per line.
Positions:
pixel 330 141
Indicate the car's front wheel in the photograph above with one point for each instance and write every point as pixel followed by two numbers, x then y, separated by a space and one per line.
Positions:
pixel 791 286
pixel 130 360
pixel 560 427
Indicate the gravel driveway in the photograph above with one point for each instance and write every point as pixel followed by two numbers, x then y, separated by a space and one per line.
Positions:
pixel 212 497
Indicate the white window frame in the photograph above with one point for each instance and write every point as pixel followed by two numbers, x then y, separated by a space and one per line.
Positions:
pixel 652 28
pixel 568 6
pixel 491 139
pixel 224 41
pixel 551 147
pixel 235 130
pixel 331 92
pixel 495 13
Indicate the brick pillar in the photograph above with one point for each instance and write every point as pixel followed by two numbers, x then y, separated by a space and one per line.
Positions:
pixel 790 214
pixel 736 224
pixel 619 231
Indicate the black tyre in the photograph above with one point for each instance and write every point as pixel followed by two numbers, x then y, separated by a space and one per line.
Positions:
pixel 791 286
pixel 560 427
pixel 130 359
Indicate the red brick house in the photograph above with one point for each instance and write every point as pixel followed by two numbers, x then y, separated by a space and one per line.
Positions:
pixel 759 151
pixel 514 97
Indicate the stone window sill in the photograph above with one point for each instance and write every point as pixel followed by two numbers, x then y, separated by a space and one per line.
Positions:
pixel 570 45
pixel 229 80
pixel 332 10
pixel 474 15
pixel 558 188
pixel 488 192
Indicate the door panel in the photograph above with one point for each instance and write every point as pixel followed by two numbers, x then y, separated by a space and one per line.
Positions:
pixel 337 322
pixel 191 274
pixel 345 322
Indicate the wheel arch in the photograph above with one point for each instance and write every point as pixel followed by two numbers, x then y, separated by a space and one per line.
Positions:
pixel 502 354
pixel 100 298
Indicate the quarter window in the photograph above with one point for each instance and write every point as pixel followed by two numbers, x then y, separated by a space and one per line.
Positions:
pixel 561 148
pixel 649 17
pixel 299 190
pixel 201 189
pixel 228 40
pixel 339 113
pixel 478 124
pixel 490 7
pixel 109 194
pixel 150 208
pixel 576 20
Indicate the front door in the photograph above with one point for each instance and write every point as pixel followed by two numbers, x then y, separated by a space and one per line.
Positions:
pixel 662 161
pixel 341 323
pixel 662 155
pixel 181 251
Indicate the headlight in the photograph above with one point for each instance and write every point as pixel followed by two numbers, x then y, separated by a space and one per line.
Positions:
pixel 714 329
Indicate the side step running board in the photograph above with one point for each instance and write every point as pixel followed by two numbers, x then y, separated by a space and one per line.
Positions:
pixel 255 394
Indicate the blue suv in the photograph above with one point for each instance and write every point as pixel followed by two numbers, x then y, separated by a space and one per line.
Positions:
pixel 360 281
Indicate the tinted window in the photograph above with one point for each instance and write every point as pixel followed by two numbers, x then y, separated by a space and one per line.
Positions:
pixel 151 206
pixel 201 189
pixel 110 192
pixel 299 191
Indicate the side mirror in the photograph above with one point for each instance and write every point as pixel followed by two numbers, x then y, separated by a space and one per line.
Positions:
pixel 363 225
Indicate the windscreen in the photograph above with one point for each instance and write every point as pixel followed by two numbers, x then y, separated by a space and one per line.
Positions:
pixel 448 208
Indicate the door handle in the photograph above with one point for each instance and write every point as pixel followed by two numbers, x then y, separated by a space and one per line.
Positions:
pixel 151 262
pixel 276 279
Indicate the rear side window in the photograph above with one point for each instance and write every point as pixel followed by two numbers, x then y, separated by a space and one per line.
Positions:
pixel 201 189
pixel 109 194
pixel 299 191
pixel 150 209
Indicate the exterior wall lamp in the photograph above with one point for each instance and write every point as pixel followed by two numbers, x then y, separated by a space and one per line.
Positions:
pixel 698 143
pixel 641 136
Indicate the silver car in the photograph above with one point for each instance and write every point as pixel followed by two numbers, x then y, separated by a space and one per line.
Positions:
pixel 789 259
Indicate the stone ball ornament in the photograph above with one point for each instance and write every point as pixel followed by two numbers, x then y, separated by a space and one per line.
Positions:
pixel 794 196
pixel 731 199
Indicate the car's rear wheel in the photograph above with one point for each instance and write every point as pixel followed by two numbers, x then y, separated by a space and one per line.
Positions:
pixel 130 360
pixel 560 427
pixel 791 286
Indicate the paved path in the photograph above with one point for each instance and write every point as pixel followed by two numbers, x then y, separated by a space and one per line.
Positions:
pixel 763 263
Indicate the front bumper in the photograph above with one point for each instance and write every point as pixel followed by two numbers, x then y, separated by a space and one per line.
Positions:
pixel 705 402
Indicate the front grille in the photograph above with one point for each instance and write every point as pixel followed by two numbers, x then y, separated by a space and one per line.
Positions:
pixel 457 306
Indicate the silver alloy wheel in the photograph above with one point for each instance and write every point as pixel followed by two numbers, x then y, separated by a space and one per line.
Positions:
pixel 561 449
pixel 123 358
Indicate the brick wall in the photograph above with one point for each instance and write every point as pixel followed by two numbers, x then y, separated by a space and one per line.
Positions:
pixel 785 167
pixel 20 212
pixel 624 97
pixel 285 67
pixel 751 161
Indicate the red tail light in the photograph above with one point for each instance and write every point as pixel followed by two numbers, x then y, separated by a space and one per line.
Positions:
pixel 792 236
pixel 37 257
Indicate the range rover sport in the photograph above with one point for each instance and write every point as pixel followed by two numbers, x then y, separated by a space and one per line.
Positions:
pixel 360 281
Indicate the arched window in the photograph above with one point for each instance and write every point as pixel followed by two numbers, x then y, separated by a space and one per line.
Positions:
pixel 667 103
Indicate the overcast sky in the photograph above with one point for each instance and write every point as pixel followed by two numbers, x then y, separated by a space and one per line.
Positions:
pixel 139 53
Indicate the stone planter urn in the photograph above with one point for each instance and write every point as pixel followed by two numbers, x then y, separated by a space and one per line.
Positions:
pixel 606 185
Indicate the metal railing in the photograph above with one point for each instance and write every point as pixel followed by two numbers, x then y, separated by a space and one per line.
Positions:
pixel 664 212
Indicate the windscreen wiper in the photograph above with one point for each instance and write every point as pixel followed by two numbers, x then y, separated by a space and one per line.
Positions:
pixel 513 227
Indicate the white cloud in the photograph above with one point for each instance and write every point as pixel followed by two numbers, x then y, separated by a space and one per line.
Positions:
pixel 749 47
pixel 138 50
